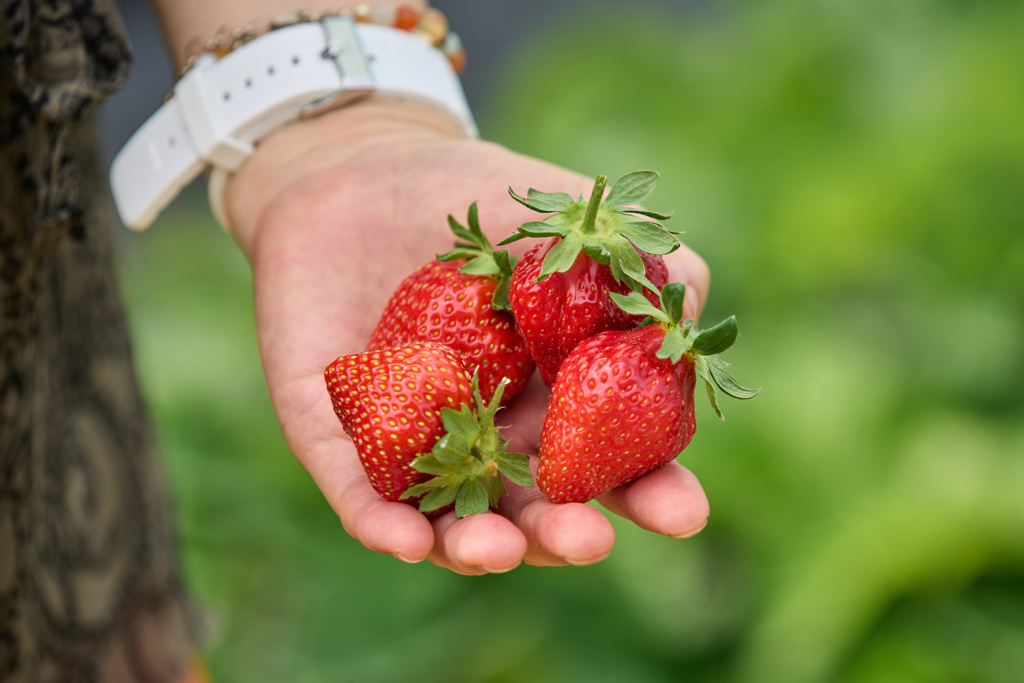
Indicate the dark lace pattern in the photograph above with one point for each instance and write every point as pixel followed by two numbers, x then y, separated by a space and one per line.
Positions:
pixel 89 589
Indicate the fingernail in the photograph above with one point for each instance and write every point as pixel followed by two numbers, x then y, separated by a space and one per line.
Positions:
pixel 588 561
pixel 406 560
pixel 690 304
pixel 692 532
pixel 497 571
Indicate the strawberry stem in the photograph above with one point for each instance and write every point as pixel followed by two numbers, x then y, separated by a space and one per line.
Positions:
pixel 589 225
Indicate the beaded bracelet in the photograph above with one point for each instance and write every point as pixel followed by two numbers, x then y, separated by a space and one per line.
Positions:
pixel 430 24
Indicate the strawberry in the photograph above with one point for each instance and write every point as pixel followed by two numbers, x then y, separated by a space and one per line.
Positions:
pixel 452 300
pixel 421 428
pixel 623 402
pixel 556 314
pixel 560 290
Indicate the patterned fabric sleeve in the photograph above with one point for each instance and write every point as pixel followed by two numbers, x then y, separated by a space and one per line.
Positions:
pixel 89 585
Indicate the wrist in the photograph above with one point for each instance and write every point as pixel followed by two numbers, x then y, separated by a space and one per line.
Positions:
pixel 230 102
pixel 300 156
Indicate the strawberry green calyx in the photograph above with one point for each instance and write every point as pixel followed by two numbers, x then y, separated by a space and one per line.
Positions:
pixel 480 257
pixel 467 462
pixel 682 337
pixel 607 229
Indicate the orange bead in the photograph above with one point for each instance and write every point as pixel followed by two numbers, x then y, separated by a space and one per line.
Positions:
pixel 458 60
pixel 361 13
pixel 434 26
pixel 406 18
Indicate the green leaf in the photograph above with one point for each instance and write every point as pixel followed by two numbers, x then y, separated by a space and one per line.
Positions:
pixel 451 449
pixel 473 218
pixel 457 254
pixel 626 265
pixel 725 381
pixel 672 296
pixel 481 265
pixel 504 261
pixel 487 414
pixel 549 201
pixel 460 423
pixel 480 409
pixel 438 498
pixel 674 345
pixel 629 261
pixel 542 229
pixel 430 464
pixel 649 237
pixel 636 303
pixel 424 487
pixel 632 188
pixel 525 202
pixel 705 373
pixel 471 499
pixel 598 255
pixel 650 214
pixel 516 467
pixel 495 487
pixel 460 231
pixel 562 255
pixel 637 284
pixel 500 301
pixel 717 339
pixel 514 237
pixel 713 398
pixel 475 248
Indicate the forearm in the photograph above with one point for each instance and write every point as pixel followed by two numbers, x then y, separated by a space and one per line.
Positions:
pixel 184 20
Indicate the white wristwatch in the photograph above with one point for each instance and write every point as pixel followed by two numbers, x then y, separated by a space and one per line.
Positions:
pixel 222 107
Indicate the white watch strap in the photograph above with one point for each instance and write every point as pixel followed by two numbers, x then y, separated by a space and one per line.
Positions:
pixel 426 76
pixel 153 167
pixel 222 107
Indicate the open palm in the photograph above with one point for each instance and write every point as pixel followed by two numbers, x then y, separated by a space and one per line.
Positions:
pixel 332 217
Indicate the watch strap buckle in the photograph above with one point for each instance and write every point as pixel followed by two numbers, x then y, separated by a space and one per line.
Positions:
pixel 346 51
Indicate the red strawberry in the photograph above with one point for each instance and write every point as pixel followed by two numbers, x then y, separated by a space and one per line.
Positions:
pixel 623 402
pixel 560 290
pixel 451 300
pixel 558 313
pixel 408 411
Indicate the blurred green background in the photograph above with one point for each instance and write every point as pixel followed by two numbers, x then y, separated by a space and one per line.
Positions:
pixel 853 172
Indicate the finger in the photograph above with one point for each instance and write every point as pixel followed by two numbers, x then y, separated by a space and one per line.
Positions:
pixel 667 501
pixel 684 265
pixel 478 544
pixel 557 534
pixel 386 527
pixel 522 418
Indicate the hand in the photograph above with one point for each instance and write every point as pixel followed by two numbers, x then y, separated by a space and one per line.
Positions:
pixel 333 213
